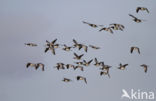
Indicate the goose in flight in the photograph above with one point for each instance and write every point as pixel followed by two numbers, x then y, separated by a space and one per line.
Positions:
pixel 66 48
pixel 142 9
pixel 94 47
pixel 97 63
pixel 36 66
pixel 145 67
pixel 31 44
pixel 105 73
pixel 135 18
pixel 105 67
pixel 30 65
pixel 41 65
pixel 106 29
pixel 50 44
pixel 85 63
pixel 70 66
pixel 134 48
pixel 66 80
pixel 78 57
pixel 81 78
pixel 77 45
pixel 91 25
pixel 122 67
pixel 60 66
pixel 116 26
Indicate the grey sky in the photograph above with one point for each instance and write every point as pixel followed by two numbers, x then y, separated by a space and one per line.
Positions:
pixel 23 21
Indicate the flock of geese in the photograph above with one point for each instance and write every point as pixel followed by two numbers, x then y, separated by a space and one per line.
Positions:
pixel 81 63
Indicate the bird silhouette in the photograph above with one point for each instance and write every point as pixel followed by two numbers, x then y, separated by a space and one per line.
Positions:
pixel 66 80
pixel 145 67
pixel 85 63
pixel 94 47
pixel 106 29
pixel 122 67
pixel 135 18
pixel 41 65
pixel 81 78
pixel 31 44
pixel 142 9
pixel 91 25
pixel 134 48
pixel 78 57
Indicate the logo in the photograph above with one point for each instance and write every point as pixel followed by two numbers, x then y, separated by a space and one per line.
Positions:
pixel 138 95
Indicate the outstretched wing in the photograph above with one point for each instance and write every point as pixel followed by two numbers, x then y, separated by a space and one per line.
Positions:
pixel 138 50
pixel 85 80
pixel 54 41
pixel 147 10
pixel 46 50
pixel 145 69
pixel 81 55
pixel 132 16
pixel 137 10
pixel 74 41
pixel 132 48
pixel 96 61
pixel 110 30
pixel 90 61
pixel 75 54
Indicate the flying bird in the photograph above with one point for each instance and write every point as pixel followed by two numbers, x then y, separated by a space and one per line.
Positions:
pixel 105 73
pixel 122 67
pixel 77 45
pixel 94 47
pixel 145 67
pixel 60 66
pixel 135 18
pixel 66 80
pixel 142 9
pixel 41 65
pixel 116 26
pixel 70 66
pixel 30 65
pixel 107 29
pixel 134 48
pixel 31 44
pixel 81 78
pixel 67 48
pixel 91 25
pixel 105 67
pixel 50 44
pixel 97 63
pixel 78 57
pixel 85 63
pixel 36 66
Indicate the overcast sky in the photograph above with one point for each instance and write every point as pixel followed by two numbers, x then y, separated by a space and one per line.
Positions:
pixel 23 21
